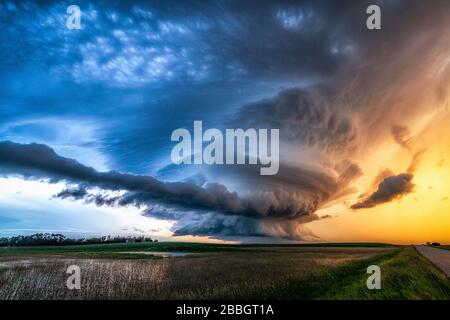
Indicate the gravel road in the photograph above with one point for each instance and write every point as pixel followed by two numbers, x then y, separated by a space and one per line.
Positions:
pixel 440 257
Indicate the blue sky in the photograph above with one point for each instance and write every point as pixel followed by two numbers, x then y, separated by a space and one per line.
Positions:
pixel 110 94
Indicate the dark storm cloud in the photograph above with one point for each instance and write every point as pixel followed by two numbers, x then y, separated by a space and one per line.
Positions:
pixel 219 225
pixel 295 190
pixel 390 188
pixel 294 196
pixel 73 193
pixel 35 161
pixel 311 117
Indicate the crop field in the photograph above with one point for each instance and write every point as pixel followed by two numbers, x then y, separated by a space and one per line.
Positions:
pixel 206 271
pixel 117 249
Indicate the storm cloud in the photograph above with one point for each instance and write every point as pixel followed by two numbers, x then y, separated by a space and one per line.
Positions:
pixel 390 188
pixel 112 92
pixel 309 118
pixel 278 204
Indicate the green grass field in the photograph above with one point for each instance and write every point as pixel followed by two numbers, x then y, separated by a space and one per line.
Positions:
pixel 332 271
pixel 115 250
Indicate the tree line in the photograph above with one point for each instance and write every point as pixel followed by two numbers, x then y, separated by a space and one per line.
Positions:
pixel 57 239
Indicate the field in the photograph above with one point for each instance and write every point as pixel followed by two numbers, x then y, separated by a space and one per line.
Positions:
pixel 137 271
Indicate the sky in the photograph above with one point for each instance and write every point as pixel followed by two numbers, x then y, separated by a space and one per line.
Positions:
pixel 86 117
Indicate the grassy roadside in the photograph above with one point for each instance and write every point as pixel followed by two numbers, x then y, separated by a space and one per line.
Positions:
pixel 404 275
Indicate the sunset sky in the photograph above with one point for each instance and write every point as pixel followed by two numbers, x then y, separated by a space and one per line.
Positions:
pixel 86 118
